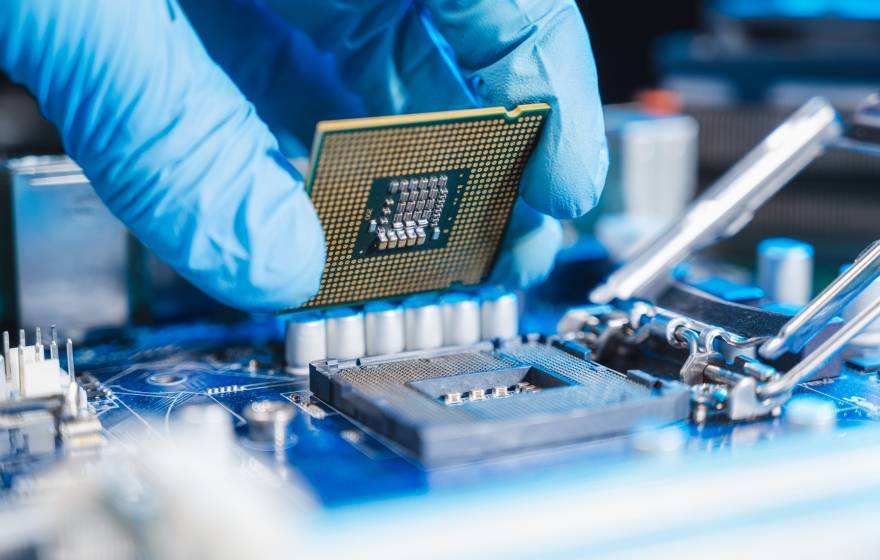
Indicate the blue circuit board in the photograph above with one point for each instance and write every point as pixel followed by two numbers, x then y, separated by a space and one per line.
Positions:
pixel 140 381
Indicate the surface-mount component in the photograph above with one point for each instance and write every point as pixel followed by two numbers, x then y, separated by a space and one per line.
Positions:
pixel 416 203
pixel 410 212
pixel 472 402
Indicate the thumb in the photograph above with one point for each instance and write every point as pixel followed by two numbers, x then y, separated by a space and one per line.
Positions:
pixel 170 144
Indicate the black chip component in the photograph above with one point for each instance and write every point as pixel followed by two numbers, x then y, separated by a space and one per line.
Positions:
pixel 410 213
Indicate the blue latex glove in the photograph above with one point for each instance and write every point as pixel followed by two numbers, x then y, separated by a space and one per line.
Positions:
pixel 162 115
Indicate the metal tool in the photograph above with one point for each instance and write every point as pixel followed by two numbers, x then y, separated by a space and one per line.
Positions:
pixel 730 203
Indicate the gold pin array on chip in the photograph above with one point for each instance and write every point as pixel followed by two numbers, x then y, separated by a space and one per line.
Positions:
pixel 416 203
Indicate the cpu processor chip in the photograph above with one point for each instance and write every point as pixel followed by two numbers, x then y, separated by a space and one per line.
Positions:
pixel 416 203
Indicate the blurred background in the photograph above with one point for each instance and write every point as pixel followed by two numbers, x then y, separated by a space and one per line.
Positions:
pixel 689 85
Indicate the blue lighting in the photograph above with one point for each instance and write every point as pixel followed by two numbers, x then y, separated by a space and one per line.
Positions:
pixel 847 9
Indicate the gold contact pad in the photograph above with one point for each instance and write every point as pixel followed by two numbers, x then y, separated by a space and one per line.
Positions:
pixel 492 144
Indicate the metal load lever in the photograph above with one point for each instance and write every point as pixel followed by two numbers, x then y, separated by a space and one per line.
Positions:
pixel 863 129
pixel 816 359
pixel 729 204
pixel 724 209
pixel 822 309
pixel 828 304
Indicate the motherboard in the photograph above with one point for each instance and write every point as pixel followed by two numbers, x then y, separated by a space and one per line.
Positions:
pixel 407 394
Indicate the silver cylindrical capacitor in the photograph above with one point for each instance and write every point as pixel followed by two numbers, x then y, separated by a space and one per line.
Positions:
pixel 461 319
pixel 423 322
pixel 499 314
pixel 871 335
pixel 785 270
pixel 268 420
pixel 345 334
pixel 305 339
pixel 384 328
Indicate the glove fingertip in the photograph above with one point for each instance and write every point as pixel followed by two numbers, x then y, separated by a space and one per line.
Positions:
pixel 286 260
pixel 529 258
pixel 565 192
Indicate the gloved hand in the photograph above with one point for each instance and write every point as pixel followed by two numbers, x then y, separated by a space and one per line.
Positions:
pixel 162 114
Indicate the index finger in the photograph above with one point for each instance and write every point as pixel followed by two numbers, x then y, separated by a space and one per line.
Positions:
pixel 529 51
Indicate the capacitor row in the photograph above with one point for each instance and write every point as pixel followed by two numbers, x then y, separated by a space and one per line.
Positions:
pixel 419 323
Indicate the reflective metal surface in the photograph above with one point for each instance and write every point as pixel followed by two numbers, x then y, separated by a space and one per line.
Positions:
pixel 827 305
pixel 730 203
pixel 70 252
